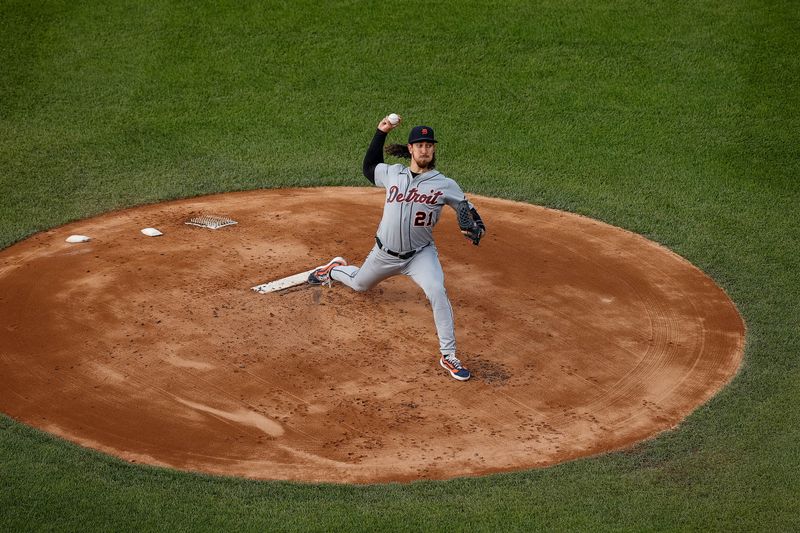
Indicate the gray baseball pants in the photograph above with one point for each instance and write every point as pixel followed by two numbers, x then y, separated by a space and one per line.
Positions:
pixel 426 271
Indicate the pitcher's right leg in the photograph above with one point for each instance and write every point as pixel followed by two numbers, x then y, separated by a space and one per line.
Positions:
pixel 377 267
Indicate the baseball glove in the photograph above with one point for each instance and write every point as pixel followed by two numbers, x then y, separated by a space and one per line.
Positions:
pixel 472 229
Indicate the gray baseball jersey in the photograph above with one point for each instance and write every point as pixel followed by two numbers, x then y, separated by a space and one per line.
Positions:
pixel 413 205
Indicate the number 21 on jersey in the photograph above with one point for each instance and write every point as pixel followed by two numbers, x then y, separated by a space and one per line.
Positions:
pixel 421 218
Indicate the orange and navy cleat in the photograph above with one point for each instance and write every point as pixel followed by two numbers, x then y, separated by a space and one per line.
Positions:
pixel 323 274
pixel 454 366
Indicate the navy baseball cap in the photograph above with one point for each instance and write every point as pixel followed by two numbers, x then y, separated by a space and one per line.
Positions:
pixel 420 134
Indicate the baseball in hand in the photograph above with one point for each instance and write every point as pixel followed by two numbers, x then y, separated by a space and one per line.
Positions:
pixel 394 118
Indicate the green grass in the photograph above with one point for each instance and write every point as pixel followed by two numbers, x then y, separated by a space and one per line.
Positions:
pixel 677 120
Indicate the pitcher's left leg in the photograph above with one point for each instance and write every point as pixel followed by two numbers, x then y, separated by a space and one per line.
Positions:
pixel 426 271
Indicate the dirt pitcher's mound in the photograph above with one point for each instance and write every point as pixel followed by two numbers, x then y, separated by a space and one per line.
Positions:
pixel 582 338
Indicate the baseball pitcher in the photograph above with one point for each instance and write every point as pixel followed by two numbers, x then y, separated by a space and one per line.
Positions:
pixel 415 195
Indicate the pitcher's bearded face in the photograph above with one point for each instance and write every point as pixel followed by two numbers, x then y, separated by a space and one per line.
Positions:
pixel 423 154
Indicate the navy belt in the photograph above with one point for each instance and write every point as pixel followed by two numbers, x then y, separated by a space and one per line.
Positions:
pixel 406 255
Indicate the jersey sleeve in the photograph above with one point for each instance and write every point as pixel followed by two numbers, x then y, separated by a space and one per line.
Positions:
pixel 381 175
pixel 453 193
pixel 387 175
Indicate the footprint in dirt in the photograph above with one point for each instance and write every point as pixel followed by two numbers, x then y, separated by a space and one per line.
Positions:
pixel 486 370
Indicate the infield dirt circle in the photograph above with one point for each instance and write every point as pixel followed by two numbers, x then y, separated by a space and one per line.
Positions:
pixel 582 338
